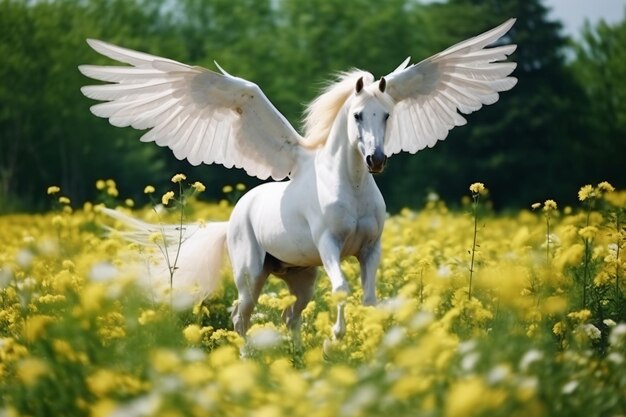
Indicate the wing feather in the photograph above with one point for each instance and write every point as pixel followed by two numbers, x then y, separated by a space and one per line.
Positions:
pixel 203 116
pixel 430 94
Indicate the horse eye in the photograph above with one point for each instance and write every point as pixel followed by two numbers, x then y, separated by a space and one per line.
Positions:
pixel 357 117
pixel 386 116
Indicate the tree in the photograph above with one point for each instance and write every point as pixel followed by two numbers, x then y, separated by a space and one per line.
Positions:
pixel 47 135
pixel 600 68
pixel 524 146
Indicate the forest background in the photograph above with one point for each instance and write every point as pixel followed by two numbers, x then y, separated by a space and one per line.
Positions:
pixel 562 126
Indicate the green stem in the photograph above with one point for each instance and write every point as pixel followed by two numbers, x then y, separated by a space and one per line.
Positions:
pixel 587 256
pixel 619 242
pixel 548 239
pixel 469 292
pixel 180 233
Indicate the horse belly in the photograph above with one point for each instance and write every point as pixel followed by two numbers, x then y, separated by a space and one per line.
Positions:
pixel 281 228
pixel 290 243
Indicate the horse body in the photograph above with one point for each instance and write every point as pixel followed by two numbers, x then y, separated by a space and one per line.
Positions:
pixel 330 209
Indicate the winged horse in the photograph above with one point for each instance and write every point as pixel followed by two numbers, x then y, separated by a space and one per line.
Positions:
pixel 330 207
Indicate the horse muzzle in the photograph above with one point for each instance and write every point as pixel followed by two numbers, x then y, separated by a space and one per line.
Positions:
pixel 376 162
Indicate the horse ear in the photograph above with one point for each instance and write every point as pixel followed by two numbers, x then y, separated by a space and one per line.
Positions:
pixel 359 85
pixel 382 84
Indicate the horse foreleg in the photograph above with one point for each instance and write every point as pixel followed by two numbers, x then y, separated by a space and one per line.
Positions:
pixel 369 259
pixel 330 252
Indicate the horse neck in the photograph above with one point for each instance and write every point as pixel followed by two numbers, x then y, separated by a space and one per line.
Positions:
pixel 339 157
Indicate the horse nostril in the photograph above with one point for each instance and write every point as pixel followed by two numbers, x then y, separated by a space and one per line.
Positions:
pixel 368 160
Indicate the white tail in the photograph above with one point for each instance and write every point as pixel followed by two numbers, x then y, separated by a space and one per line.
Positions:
pixel 199 261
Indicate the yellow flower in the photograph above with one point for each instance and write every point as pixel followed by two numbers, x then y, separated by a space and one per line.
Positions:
pixel 549 205
pixel 588 232
pixel 585 192
pixel 35 326
pixel 477 188
pixel 193 334
pixel 580 316
pixel 148 190
pixel 112 191
pixel 31 369
pixel 53 189
pixel 147 316
pixel 606 187
pixel 240 187
pixel 535 206
pixel 101 382
pixel 104 407
pixel 472 396
pixel 165 199
pixel 101 185
pixel 165 360
pixel 129 202
pixel 155 237
pixel 227 189
pixel 64 200
pixel 198 186
pixel 178 178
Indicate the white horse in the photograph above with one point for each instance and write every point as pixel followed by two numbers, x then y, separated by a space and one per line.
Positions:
pixel 330 208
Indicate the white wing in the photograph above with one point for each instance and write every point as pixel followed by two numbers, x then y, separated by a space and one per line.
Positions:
pixel 201 115
pixel 428 94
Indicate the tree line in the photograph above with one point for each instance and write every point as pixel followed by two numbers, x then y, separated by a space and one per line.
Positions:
pixel 563 125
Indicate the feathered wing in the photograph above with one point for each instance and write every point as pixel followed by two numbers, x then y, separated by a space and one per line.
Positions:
pixel 203 116
pixel 430 94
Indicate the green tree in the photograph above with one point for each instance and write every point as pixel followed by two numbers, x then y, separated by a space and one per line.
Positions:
pixel 524 146
pixel 47 135
pixel 600 67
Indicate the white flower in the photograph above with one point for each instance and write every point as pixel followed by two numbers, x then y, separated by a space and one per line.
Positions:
pixel 6 276
pixel 615 357
pixel 102 272
pixel 394 336
pixel 609 323
pixel 498 374
pixel 529 358
pixel 265 338
pixel 591 331
pixel 24 258
pixel 569 387
pixel 617 335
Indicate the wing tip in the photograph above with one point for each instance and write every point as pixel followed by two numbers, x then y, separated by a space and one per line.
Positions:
pixel 95 43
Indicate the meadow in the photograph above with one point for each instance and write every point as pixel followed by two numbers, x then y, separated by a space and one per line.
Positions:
pixel 480 314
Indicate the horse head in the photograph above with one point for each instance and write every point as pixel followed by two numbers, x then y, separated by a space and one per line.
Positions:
pixel 368 111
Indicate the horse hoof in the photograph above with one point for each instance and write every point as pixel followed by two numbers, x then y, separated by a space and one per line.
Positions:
pixel 329 350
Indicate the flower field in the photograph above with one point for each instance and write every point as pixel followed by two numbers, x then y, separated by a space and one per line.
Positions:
pixel 518 314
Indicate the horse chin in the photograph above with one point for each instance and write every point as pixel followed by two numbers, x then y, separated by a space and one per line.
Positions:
pixel 376 170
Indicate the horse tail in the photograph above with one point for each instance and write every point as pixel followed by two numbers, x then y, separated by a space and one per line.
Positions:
pixel 187 260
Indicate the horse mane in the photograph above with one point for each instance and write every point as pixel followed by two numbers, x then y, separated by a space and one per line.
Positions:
pixel 322 111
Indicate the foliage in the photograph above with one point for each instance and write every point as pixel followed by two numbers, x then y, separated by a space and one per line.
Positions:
pixel 547 124
pixel 600 68
pixel 79 336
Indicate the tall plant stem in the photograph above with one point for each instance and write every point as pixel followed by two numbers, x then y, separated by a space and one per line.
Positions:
pixel 469 292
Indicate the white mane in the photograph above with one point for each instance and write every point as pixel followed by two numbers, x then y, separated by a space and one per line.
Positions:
pixel 321 112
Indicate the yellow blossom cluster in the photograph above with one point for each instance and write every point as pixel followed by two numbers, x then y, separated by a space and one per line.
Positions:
pixel 540 334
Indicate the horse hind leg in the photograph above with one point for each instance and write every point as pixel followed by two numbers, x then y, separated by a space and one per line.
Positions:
pixel 250 276
pixel 301 283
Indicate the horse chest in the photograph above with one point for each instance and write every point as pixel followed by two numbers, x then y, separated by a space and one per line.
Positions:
pixel 353 222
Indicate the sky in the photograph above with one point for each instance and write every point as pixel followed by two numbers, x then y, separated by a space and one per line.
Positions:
pixel 572 13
